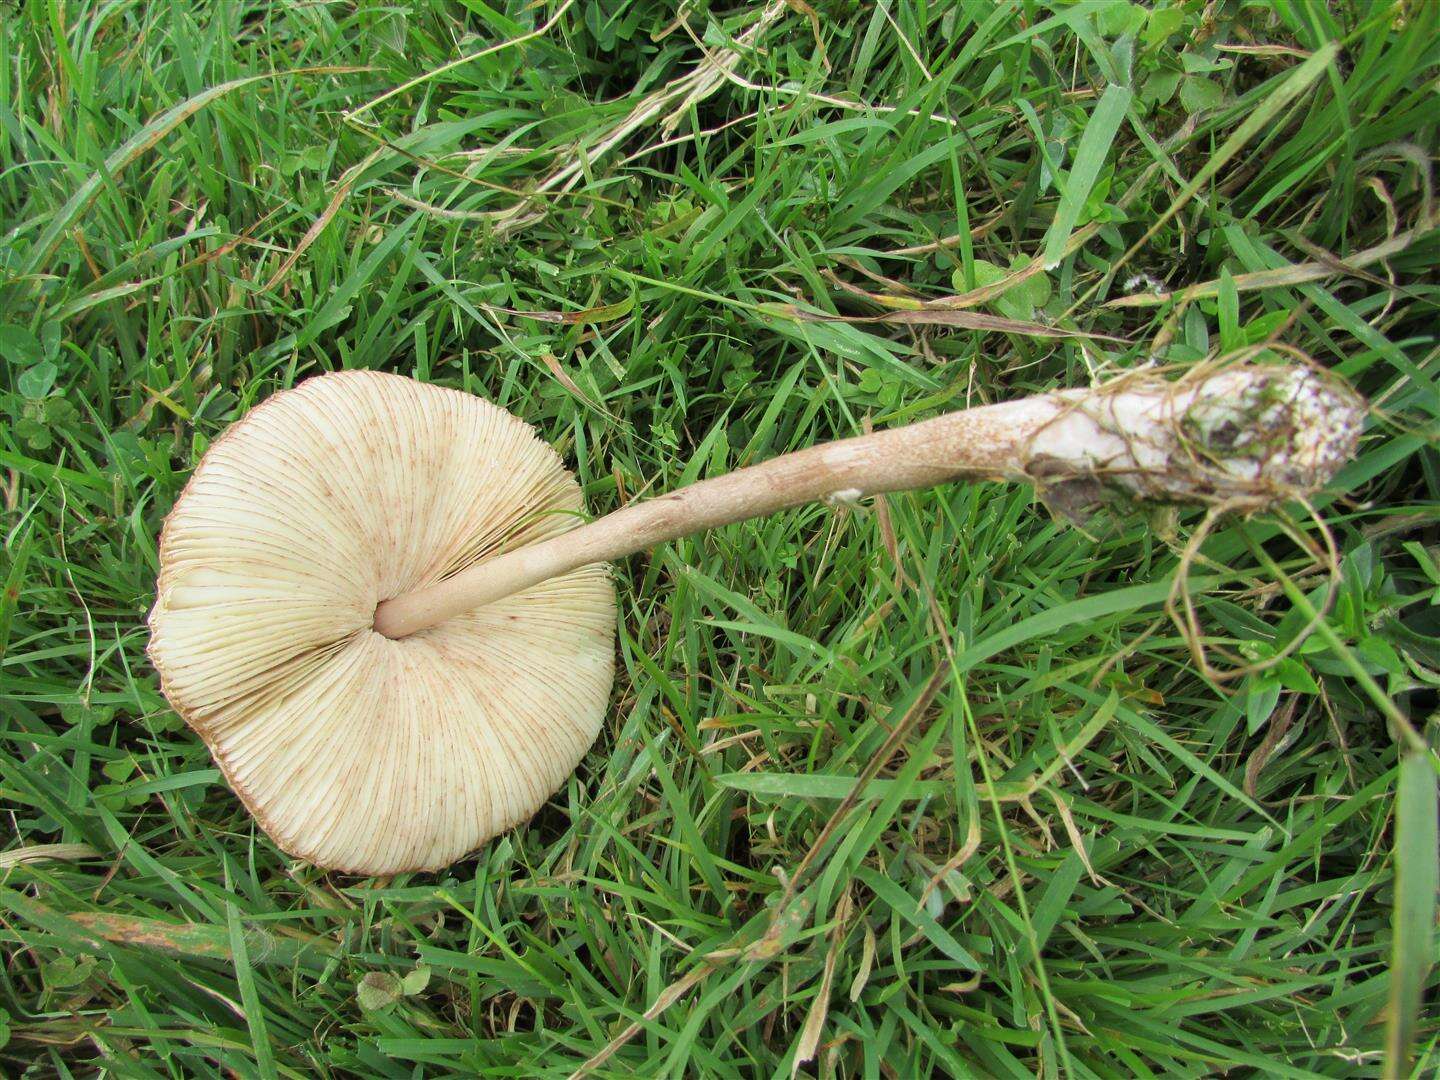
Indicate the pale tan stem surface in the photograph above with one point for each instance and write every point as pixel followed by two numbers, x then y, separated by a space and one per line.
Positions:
pixel 972 444
pixel 1128 436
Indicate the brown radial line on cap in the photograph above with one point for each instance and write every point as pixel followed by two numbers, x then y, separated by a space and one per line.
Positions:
pixel 487 749
pixel 455 501
pixel 347 477
pixel 375 445
pixel 274 762
pixel 519 655
pixel 316 626
pixel 407 474
pixel 484 749
pixel 354 821
pixel 455 750
pixel 267 687
pixel 549 709
pixel 275 717
pixel 329 791
pixel 242 495
pixel 446 518
pixel 409 770
pixel 537 493
pixel 476 743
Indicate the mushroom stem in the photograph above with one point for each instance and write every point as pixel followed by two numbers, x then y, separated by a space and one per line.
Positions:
pixel 1243 436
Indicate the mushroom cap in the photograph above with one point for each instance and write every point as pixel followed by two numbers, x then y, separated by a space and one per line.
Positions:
pixel 354 751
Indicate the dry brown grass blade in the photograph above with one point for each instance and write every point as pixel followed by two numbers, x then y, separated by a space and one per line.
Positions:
pixel 972 320
pixel 667 105
pixel 191 940
pixel 667 997
pixel 1274 735
pixel 770 943
pixel 46 853
pixel 1284 276
pixel 563 378
pixel 342 190
pixel 977 232
pixel 599 314
pixel 539 31
pixel 145 139
pixel 930 315
pixel 820 1006
pixel 182 939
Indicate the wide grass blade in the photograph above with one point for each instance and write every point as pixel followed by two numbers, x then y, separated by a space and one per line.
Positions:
pixel 1417 880
pixel 1090 155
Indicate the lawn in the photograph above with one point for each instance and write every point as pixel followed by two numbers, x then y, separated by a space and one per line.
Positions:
pixel 928 785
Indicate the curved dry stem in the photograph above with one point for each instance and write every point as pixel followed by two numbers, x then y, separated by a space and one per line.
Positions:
pixel 1187 621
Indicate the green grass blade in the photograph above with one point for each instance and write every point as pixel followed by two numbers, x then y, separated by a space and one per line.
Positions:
pixel 1417 879
pixel 1094 148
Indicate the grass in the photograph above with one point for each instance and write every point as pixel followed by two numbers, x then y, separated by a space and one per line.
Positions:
pixel 1069 853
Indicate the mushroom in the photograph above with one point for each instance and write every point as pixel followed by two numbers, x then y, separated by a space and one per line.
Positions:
pixel 353 751
pixel 379 609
